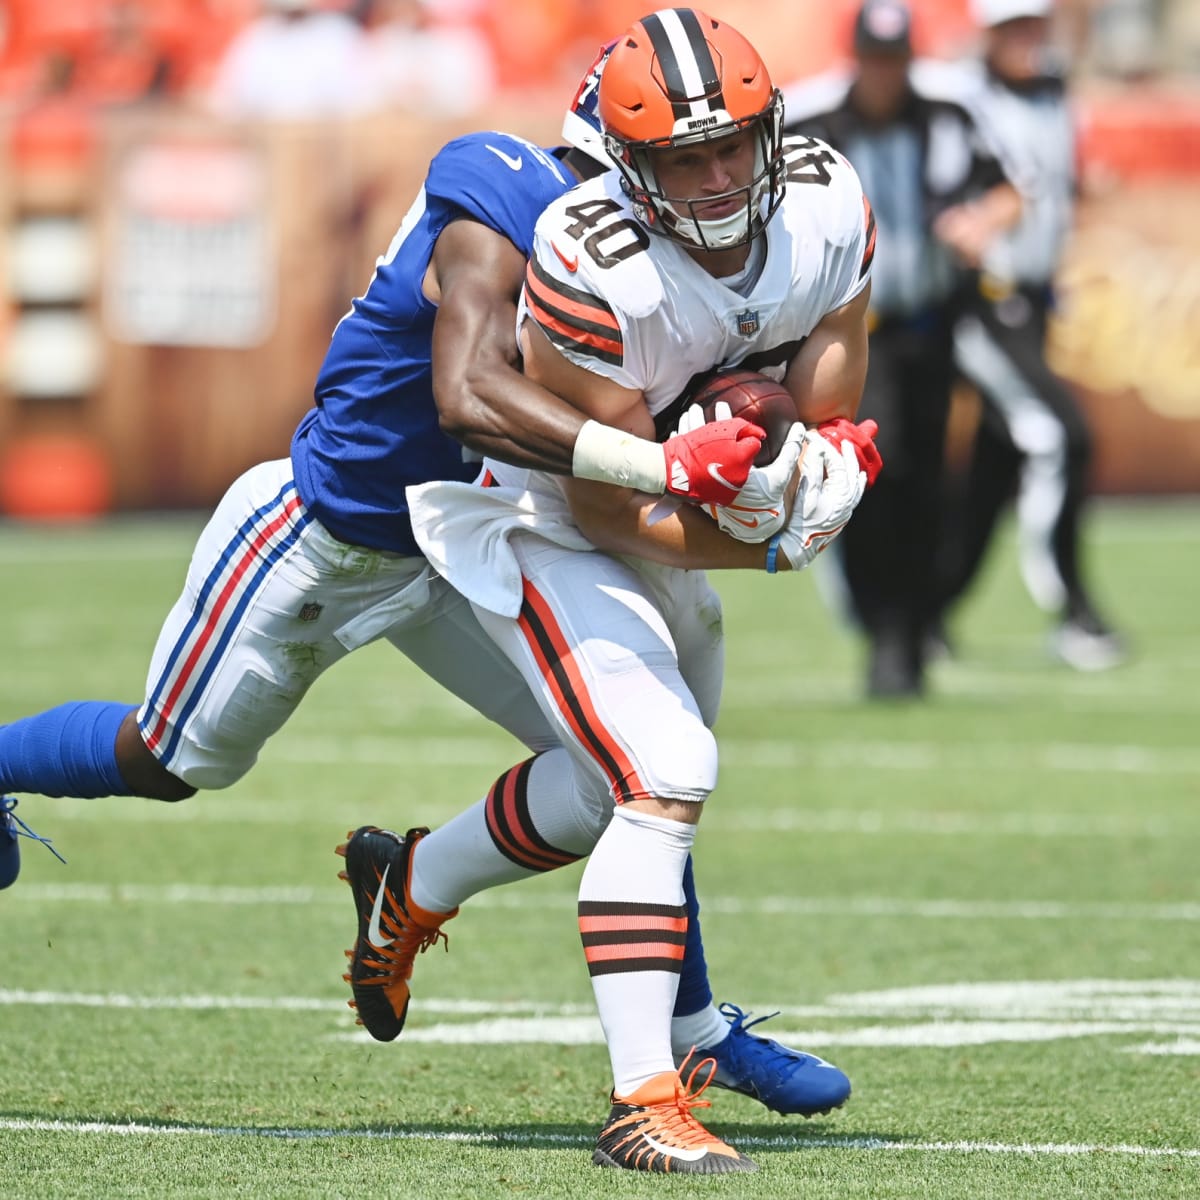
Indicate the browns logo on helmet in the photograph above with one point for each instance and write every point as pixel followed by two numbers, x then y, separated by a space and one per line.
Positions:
pixel 679 77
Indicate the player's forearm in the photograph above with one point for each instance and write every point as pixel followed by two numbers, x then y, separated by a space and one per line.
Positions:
pixel 503 414
pixel 632 523
pixel 496 411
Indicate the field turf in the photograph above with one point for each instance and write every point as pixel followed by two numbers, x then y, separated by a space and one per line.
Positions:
pixel 985 907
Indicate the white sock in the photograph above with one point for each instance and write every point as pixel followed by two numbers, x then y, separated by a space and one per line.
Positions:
pixel 633 922
pixel 703 1031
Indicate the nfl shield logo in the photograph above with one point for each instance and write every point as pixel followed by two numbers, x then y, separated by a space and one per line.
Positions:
pixel 747 322
pixel 310 612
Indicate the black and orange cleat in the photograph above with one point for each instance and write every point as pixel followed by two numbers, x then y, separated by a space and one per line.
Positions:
pixel 653 1129
pixel 392 930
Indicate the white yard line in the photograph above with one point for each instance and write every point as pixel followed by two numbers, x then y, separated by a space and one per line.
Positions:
pixel 846 906
pixel 532 1138
pixel 941 1016
pixel 778 753
pixel 227 810
pixel 533 1008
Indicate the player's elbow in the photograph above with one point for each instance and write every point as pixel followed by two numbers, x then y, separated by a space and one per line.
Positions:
pixel 463 411
pixel 457 417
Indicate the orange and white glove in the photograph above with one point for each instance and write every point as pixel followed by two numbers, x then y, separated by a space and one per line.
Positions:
pixel 761 509
pixel 831 486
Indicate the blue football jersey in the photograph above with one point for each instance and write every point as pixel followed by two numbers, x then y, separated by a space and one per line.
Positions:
pixel 374 428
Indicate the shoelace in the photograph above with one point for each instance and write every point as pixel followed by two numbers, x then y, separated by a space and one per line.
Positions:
pixel 9 817
pixel 674 1119
pixel 781 1054
pixel 395 961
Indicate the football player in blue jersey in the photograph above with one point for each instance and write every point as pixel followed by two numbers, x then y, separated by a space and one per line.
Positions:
pixel 316 550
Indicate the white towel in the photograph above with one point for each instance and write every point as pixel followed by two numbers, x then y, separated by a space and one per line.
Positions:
pixel 465 531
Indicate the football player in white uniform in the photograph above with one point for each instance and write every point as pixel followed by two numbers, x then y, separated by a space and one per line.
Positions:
pixel 716 244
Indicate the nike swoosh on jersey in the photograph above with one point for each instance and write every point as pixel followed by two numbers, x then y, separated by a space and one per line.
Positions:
pixel 374 933
pixel 514 163
pixel 572 264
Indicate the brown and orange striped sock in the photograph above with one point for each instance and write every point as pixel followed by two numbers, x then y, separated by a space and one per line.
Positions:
pixel 531 821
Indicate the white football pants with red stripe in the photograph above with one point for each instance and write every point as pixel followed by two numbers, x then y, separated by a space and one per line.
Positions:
pixel 626 660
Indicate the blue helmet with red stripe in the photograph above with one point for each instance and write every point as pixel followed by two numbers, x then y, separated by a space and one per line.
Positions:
pixel 581 124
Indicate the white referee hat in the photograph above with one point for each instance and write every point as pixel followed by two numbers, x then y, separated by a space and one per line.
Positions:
pixel 995 12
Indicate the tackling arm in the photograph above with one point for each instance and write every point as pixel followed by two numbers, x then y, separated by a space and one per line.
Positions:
pixel 487 404
pixel 483 399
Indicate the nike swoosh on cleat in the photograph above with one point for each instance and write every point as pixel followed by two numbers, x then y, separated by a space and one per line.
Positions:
pixel 750 524
pixel 374 933
pixel 514 163
pixel 675 1151
pixel 572 264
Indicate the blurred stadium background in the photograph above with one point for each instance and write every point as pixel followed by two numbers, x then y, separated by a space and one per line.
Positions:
pixel 172 266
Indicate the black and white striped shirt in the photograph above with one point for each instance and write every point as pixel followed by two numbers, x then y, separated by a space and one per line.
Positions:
pixel 932 155
pixel 1035 129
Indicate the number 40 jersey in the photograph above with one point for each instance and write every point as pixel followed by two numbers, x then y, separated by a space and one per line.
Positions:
pixel 638 309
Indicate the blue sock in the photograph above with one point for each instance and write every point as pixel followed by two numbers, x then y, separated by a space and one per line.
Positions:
pixel 694 994
pixel 69 751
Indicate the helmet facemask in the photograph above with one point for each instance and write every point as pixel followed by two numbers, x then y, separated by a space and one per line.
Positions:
pixel 679 217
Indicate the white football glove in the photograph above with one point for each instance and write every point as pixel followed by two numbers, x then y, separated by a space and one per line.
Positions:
pixel 761 508
pixel 831 486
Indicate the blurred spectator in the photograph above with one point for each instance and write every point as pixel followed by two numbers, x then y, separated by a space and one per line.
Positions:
pixel 1033 439
pixel 295 61
pixel 1126 36
pixel 423 63
pixel 124 62
pixel 939 194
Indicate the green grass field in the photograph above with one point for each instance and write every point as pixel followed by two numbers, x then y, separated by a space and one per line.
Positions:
pixel 985 907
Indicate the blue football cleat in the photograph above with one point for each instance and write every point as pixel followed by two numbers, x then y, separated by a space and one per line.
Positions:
pixel 12 827
pixel 784 1080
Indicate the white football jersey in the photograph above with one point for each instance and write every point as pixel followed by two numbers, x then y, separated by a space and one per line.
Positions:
pixel 638 309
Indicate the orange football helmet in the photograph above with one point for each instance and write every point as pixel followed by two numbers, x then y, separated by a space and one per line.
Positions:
pixel 677 77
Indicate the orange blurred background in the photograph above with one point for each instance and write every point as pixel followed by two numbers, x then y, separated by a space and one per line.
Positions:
pixel 172 276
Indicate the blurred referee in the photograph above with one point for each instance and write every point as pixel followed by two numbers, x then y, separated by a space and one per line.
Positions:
pixel 1033 438
pixel 940 196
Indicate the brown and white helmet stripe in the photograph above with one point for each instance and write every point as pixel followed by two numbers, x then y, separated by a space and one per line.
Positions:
pixel 690 76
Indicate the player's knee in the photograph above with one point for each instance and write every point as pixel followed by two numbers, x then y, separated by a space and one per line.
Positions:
pixel 143 773
pixel 682 766
pixel 211 776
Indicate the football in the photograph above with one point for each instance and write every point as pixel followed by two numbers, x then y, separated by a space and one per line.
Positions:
pixel 753 397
